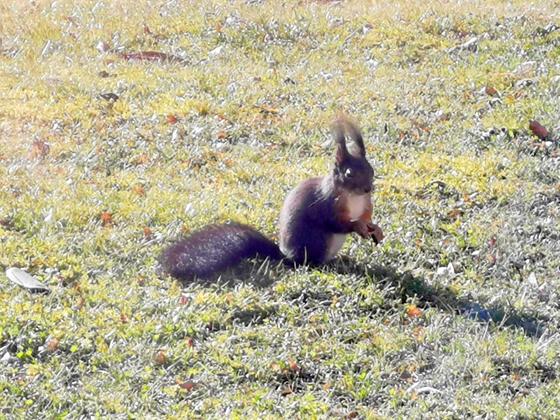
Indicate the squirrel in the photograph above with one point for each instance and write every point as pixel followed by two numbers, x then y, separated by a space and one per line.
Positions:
pixel 314 221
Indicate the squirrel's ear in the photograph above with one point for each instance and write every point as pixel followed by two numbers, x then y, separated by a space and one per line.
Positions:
pixel 340 140
pixel 343 126
pixel 341 154
pixel 357 147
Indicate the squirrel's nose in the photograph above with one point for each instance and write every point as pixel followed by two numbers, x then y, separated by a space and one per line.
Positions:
pixel 367 189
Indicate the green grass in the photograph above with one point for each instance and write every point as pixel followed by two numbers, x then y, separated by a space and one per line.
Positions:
pixel 91 190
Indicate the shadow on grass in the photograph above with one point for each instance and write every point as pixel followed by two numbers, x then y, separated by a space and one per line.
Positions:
pixel 444 298
pixel 263 274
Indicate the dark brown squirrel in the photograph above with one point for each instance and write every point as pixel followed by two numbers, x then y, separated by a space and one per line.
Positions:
pixel 314 221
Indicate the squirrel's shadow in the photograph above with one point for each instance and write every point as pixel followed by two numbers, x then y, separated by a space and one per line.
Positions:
pixel 263 274
pixel 407 286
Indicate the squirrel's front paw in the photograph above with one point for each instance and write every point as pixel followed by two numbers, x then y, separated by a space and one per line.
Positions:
pixel 375 232
pixel 361 228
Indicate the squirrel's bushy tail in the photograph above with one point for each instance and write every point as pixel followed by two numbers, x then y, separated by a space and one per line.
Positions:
pixel 215 248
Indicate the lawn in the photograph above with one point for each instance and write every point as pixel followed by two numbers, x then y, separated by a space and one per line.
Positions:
pixel 125 125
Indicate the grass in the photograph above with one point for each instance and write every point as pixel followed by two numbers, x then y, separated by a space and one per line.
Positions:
pixel 454 315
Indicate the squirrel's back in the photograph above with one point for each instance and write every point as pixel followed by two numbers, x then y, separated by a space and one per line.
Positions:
pixel 215 248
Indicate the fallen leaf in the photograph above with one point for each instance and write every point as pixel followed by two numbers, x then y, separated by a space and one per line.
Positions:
pixel 52 345
pixel 293 366
pixel 141 159
pixel 160 358
pixel 139 190
pixel 538 130
pixel 26 280
pixel 443 116
pixel 106 218
pixel 491 91
pixel 124 318
pixel 187 385
pixel 455 213
pixel 147 232
pixel 81 302
pixel 39 149
pixel 413 311
pixel 184 300
pixel 275 367
pixel 171 119
pixel 190 342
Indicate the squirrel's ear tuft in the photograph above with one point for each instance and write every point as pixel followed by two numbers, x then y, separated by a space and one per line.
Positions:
pixel 340 140
pixel 344 126
pixel 357 147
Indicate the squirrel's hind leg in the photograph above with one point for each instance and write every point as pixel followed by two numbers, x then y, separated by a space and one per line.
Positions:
pixel 310 249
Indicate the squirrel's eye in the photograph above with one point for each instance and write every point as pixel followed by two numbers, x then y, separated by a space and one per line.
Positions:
pixel 348 173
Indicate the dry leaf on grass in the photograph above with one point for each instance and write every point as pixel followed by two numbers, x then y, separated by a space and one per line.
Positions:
pixel 538 130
